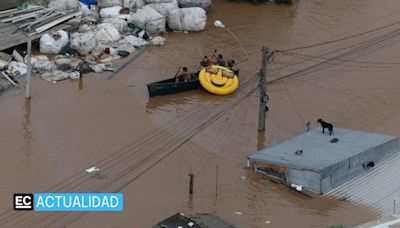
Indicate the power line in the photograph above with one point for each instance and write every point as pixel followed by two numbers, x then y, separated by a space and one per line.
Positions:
pixel 156 153
pixel 338 59
pixel 358 47
pixel 342 39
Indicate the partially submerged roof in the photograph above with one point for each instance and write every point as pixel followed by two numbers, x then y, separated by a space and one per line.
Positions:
pixel 195 221
pixel 318 150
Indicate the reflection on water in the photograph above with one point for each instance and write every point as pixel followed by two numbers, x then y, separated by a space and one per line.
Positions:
pixel 80 84
pixel 260 140
pixel 26 126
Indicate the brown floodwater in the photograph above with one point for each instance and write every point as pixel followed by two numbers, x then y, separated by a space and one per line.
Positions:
pixel 145 147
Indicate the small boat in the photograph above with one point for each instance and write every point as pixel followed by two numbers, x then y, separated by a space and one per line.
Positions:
pixel 170 86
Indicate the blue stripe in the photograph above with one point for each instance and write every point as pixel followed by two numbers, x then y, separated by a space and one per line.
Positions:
pixel 78 202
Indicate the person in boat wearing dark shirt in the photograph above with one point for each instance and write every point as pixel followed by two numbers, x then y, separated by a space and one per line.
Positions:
pixel 231 65
pixel 205 62
pixel 220 60
pixel 184 76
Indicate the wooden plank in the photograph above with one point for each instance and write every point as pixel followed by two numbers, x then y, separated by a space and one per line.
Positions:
pixel 19 12
pixel 9 79
pixel 4 12
pixel 26 16
pixel 56 22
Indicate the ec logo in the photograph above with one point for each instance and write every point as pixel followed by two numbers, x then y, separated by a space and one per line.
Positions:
pixel 23 202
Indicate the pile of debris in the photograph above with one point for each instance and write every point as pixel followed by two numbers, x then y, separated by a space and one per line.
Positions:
pixel 100 32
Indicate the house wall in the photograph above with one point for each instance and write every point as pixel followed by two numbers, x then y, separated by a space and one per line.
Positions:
pixel 345 170
pixel 341 172
pixel 308 179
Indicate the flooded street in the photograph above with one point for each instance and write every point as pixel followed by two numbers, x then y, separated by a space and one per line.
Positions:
pixel 145 148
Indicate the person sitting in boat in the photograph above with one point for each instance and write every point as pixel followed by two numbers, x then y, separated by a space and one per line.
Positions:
pixel 184 76
pixel 220 60
pixel 231 65
pixel 205 62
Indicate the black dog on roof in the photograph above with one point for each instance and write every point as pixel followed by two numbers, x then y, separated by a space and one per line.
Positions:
pixel 325 125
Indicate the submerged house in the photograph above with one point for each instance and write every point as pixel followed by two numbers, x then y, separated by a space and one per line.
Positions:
pixel 319 162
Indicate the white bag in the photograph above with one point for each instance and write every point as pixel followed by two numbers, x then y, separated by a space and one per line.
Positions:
pixel 133 41
pixel 84 43
pixel 188 19
pixel 109 3
pixel 50 45
pixel 18 68
pixel 107 33
pixel 119 24
pixel 158 41
pixel 205 4
pixel 134 4
pixel 163 8
pixel 41 63
pixel 149 19
pixel 110 12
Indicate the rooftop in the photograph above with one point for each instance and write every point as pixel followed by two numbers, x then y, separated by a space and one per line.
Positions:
pixel 318 150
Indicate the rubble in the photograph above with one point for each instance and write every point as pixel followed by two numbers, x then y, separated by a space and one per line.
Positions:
pixel 102 33
pixel 84 43
pixel 61 59
pixel 107 33
pixel 41 63
pixel 158 41
pixel 110 12
pixel 17 68
pixel 57 75
pixel 133 41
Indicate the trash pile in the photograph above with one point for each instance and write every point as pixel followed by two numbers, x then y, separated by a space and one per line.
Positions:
pixel 100 32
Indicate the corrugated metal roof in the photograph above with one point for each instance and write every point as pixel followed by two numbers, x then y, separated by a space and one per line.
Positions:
pixel 378 188
pixel 318 151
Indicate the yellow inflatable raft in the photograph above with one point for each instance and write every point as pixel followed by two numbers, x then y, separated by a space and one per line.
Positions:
pixel 218 80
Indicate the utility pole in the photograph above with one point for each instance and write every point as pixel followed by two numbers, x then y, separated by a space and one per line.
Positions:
pixel 266 54
pixel 29 70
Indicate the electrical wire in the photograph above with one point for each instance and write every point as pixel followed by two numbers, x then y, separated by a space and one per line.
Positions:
pixel 342 39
